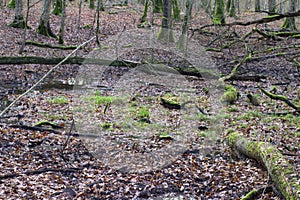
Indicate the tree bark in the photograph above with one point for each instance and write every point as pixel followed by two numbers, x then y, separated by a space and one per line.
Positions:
pixel 272 6
pixel 57 7
pixel 282 173
pixel 19 21
pixel 62 22
pixel 219 16
pixel 181 44
pixel 166 34
pixel 143 19
pixel 44 25
pixel 289 22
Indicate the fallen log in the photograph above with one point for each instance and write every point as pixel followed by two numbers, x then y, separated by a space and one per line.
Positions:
pixel 281 98
pixel 56 60
pixel 39 44
pixel 185 70
pixel 285 177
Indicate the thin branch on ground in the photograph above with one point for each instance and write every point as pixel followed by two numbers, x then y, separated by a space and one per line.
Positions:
pixel 40 171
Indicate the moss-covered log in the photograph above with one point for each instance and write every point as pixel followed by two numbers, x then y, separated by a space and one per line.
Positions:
pixel 185 70
pixel 39 44
pixel 282 173
pixel 71 60
pixel 280 98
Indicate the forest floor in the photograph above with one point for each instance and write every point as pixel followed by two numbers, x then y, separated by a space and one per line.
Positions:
pixel 48 164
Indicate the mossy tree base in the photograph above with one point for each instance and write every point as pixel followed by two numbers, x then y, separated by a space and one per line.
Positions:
pixel 44 29
pixel 181 44
pixel 289 24
pixel 166 35
pixel 282 173
pixel 18 22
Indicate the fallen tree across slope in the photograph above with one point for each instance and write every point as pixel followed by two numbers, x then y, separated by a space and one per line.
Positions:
pixel 282 173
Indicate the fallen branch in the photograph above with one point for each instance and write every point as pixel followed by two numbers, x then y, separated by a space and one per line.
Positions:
pixel 35 128
pixel 67 60
pixel 285 177
pixel 264 20
pixel 235 68
pixel 39 44
pixel 253 194
pixel 280 98
pixel 40 171
pixel 47 74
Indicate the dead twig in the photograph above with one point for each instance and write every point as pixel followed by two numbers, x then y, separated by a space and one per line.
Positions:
pixel 40 171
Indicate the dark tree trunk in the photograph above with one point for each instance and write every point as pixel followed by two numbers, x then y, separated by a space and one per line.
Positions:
pixel 166 33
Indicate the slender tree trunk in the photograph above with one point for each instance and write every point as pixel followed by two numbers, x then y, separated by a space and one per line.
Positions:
pixel 98 22
pixel 289 22
pixel 232 9
pixel 219 16
pixel 19 19
pixel 62 22
pixel 44 25
pixel 191 8
pixel 166 33
pixel 176 10
pixel 272 6
pixel 257 6
pixel 144 17
pixel 92 4
pixel 57 7
pixel 78 24
pixel 157 6
pixel 183 37
pixel 25 29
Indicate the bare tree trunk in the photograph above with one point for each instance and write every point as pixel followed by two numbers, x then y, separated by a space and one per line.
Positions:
pixel 257 5
pixel 78 23
pixel 157 6
pixel 92 4
pixel 57 7
pixel 289 22
pixel 272 6
pixel 19 19
pixel 219 16
pixel 183 37
pixel 98 22
pixel 62 23
pixel 25 29
pixel 176 10
pixel 44 25
pixel 166 33
pixel 143 19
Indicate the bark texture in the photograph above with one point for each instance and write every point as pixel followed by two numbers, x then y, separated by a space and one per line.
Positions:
pixel 282 173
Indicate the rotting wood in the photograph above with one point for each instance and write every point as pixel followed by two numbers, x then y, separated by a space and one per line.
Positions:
pixel 285 177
